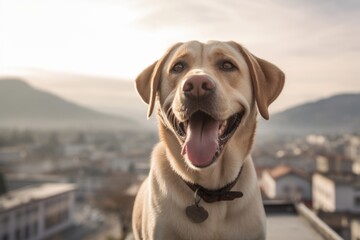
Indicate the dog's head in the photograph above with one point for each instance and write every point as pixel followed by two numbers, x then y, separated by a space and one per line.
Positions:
pixel 208 94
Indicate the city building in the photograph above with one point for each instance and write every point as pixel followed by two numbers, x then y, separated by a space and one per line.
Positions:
pixel 15 181
pixel 36 212
pixel 333 163
pixel 88 179
pixel 336 192
pixel 352 149
pixel 11 155
pixel 285 182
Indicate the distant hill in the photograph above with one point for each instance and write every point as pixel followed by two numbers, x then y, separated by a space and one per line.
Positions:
pixel 109 95
pixel 336 114
pixel 23 106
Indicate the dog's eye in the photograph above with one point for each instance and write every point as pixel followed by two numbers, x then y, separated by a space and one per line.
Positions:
pixel 178 67
pixel 227 66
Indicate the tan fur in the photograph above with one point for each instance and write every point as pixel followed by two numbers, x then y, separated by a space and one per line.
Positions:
pixel 159 211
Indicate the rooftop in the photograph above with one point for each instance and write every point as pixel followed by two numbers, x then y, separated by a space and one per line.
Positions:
pixel 283 170
pixel 343 178
pixel 286 220
pixel 290 226
pixel 26 195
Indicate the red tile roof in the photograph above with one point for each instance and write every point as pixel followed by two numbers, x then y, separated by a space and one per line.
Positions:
pixel 283 170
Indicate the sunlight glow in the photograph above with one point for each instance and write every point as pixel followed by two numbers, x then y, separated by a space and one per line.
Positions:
pixel 78 36
pixel 316 43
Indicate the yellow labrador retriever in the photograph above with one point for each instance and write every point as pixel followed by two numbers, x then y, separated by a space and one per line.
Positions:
pixel 202 182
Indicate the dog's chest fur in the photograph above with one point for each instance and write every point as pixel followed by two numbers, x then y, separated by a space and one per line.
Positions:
pixel 168 197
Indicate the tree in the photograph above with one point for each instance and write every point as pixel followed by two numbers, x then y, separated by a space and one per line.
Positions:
pixel 114 198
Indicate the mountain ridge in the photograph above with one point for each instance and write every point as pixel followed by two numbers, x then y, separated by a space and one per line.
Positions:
pixel 111 95
pixel 335 114
pixel 22 105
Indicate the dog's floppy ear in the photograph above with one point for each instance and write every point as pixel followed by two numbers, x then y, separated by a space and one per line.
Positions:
pixel 268 80
pixel 147 83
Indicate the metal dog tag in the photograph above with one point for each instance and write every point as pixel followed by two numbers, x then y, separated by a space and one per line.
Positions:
pixel 196 213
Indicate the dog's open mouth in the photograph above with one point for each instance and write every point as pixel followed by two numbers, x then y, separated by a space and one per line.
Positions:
pixel 203 136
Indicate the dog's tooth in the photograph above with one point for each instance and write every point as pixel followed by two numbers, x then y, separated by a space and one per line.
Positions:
pixel 222 127
pixel 221 130
pixel 183 150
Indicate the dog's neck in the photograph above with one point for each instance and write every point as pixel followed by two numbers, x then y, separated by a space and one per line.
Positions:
pixel 221 194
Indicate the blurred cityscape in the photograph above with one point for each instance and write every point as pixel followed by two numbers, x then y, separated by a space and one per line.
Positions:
pixel 98 173
pixel 94 163
pixel 78 180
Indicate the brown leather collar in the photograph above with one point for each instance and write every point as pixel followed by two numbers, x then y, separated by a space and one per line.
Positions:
pixel 221 194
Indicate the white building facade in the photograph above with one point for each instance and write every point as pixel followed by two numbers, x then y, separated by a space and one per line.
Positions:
pixel 284 182
pixel 36 212
pixel 336 193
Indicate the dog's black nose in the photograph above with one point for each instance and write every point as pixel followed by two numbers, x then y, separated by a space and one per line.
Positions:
pixel 198 86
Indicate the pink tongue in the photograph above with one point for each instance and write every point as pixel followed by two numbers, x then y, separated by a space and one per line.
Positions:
pixel 202 139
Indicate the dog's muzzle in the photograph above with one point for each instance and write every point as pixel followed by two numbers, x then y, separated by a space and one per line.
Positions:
pixel 200 131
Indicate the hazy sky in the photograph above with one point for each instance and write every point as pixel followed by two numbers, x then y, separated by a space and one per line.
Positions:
pixel 316 43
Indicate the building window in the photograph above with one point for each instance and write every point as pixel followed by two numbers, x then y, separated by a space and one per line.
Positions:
pixel 28 213
pixel 27 232
pixel 18 234
pixel 63 215
pixel 35 209
pixel 51 220
pixel 35 228
pixel 66 215
pixel 5 221
pixel 357 201
pixel 5 225
pixel 17 216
